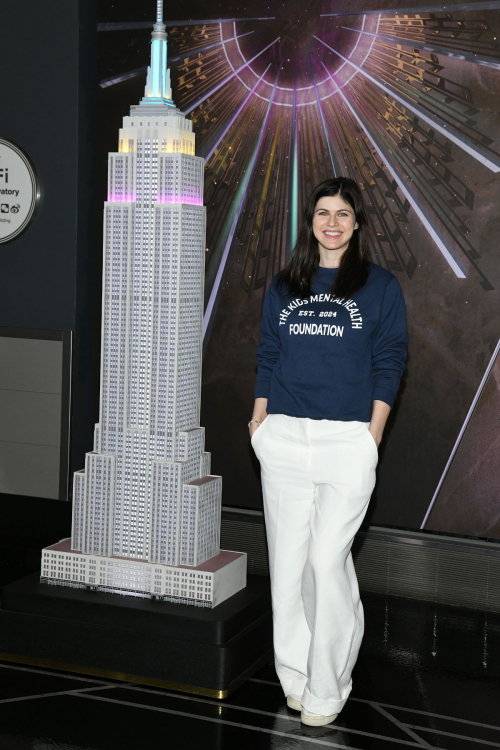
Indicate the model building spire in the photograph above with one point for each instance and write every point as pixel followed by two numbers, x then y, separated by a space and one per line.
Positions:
pixel 146 509
pixel 158 77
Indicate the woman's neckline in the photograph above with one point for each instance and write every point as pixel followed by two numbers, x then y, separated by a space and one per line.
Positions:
pixel 324 269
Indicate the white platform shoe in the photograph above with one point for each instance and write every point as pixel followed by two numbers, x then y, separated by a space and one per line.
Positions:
pixel 293 703
pixel 312 720
pixel 315 720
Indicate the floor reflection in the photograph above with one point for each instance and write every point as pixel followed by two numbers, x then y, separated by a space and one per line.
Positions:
pixel 427 676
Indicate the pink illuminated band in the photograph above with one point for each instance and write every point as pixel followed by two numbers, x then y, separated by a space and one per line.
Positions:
pixel 187 199
pixel 114 198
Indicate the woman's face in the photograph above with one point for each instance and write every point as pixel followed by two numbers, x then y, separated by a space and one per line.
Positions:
pixel 334 222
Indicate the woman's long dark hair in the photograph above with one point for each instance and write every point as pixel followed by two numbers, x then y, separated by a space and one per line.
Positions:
pixel 354 268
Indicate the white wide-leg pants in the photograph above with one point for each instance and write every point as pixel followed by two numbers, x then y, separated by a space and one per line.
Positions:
pixel 317 479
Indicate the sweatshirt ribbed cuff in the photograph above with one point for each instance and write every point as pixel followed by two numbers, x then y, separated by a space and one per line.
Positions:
pixel 387 395
pixel 262 392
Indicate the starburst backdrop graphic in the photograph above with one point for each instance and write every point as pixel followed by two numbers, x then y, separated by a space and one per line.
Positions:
pixel 397 100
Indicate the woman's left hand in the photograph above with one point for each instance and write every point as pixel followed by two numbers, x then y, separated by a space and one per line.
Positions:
pixel 377 436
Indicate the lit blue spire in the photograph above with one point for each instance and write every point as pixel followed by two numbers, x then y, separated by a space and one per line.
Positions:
pixel 158 80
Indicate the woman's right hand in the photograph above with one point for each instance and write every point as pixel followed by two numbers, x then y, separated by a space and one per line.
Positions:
pixel 255 426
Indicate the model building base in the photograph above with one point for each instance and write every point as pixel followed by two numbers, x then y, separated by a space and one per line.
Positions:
pixel 205 585
pixel 192 649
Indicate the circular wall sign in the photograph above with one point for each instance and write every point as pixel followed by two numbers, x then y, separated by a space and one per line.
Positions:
pixel 19 191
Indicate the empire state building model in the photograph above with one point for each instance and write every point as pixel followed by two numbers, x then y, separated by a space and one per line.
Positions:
pixel 146 510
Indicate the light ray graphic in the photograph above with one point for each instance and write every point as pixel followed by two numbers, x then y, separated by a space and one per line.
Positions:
pixel 322 119
pixel 172 58
pixel 233 218
pixel 264 192
pixel 455 7
pixel 473 57
pixel 189 22
pixel 293 188
pixel 455 263
pixel 293 90
pixel 112 80
pixel 440 204
pixel 461 433
pixel 205 48
pixel 228 78
pixel 482 155
pixel 474 37
pixel 235 116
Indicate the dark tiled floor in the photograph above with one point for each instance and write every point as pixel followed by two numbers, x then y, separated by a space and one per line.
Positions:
pixel 427 677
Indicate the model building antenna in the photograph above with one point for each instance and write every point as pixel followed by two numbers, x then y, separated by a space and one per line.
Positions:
pixel 158 78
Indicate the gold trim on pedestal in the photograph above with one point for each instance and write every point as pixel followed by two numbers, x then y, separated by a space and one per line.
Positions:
pixel 140 680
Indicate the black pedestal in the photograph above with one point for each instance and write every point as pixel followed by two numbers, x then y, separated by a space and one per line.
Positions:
pixel 178 646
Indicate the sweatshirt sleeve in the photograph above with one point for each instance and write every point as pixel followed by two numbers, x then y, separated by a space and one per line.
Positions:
pixel 390 344
pixel 269 348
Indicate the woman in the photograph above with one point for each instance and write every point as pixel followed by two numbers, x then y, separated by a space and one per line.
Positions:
pixel 332 351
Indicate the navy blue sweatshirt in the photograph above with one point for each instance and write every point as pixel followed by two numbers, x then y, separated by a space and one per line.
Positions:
pixel 327 358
